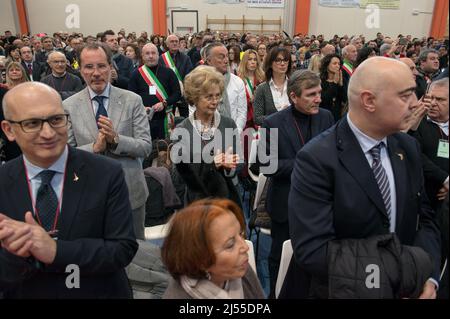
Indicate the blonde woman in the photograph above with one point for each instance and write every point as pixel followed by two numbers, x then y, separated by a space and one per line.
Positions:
pixel 15 74
pixel 250 71
pixel 206 143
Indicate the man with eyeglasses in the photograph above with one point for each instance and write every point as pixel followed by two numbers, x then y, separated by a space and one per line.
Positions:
pixel 112 122
pixel 59 206
pixel 65 83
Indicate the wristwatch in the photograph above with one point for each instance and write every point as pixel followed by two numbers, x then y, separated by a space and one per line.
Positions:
pixel 115 142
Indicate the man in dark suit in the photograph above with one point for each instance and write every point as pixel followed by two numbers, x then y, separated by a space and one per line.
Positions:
pixel 432 135
pixel 296 126
pixel 61 209
pixel 123 66
pixel 33 68
pixel 361 179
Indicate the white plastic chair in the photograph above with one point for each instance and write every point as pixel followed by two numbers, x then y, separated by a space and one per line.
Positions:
pixel 286 256
pixel 251 255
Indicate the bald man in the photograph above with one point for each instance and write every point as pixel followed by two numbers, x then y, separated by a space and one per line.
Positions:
pixel 59 206
pixel 411 65
pixel 335 192
pixel 65 83
pixel 159 88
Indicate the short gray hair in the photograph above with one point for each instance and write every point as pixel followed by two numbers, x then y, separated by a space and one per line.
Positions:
pixel 384 49
pixel 211 46
pixel 440 83
pixel 301 80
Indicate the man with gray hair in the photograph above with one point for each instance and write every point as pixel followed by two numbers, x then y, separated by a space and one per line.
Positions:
pixel 349 55
pixel 296 126
pixel 181 64
pixel 432 135
pixel 234 101
pixel 65 83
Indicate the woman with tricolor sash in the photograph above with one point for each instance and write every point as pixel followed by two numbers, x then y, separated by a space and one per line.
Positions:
pixel 250 71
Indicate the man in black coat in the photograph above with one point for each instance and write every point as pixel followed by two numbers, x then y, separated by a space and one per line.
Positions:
pixel 432 135
pixel 296 126
pixel 63 211
pixel 155 99
pixel 361 179
pixel 123 66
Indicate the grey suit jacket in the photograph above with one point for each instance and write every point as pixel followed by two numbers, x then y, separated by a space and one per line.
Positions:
pixel 127 113
pixel 263 105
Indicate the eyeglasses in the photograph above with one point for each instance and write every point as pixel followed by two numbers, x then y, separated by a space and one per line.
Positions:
pixel 279 61
pixel 91 67
pixel 58 62
pixel 211 98
pixel 35 125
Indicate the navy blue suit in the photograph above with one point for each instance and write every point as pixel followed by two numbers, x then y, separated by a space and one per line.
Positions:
pixel 289 143
pixel 334 195
pixel 95 232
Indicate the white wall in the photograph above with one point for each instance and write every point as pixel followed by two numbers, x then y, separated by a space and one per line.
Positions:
pixel 218 11
pixel 7 12
pixel 330 21
pixel 95 16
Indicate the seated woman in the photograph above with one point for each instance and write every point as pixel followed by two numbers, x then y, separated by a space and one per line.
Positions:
pixel 206 254
pixel 206 144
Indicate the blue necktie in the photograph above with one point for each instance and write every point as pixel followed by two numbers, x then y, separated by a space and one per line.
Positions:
pixel 46 200
pixel 381 177
pixel 101 107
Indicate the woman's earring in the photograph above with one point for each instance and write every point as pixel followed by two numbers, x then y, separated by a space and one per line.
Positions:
pixel 207 275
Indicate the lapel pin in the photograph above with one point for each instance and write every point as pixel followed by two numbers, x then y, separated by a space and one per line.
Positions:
pixel 75 177
pixel 400 155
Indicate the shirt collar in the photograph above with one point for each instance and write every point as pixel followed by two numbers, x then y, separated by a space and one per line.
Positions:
pixel 59 166
pixel 272 83
pixel 441 124
pixel 105 93
pixel 366 142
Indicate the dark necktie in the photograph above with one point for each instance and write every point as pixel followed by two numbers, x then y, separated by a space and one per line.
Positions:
pixel 46 200
pixel 381 177
pixel 30 69
pixel 101 107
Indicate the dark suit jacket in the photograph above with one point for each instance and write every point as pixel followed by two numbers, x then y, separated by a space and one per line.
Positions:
pixel 124 67
pixel 334 195
pixel 263 105
pixel 95 231
pixel 288 145
pixel 38 70
pixel 435 168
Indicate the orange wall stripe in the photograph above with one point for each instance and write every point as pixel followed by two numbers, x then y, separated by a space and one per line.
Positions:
pixel 22 14
pixel 302 13
pixel 439 21
pixel 159 17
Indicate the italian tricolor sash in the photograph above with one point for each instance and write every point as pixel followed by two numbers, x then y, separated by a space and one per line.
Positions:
pixel 347 67
pixel 150 78
pixel 249 88
pixel 168 61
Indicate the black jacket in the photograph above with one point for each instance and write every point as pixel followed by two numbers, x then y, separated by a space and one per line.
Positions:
pixel 353 266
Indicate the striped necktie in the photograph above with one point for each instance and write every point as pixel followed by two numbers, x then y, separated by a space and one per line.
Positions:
pixel 381 177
